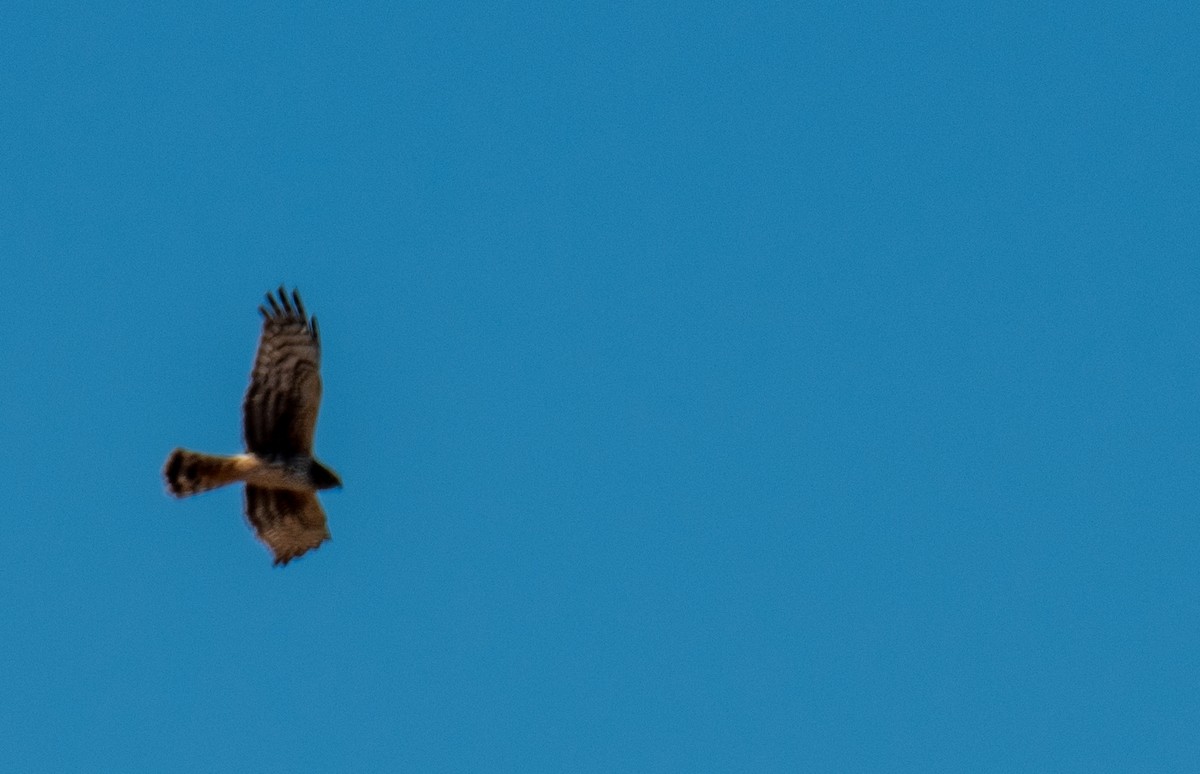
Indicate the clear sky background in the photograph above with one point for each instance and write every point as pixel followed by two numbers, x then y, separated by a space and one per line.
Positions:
pixel 717 386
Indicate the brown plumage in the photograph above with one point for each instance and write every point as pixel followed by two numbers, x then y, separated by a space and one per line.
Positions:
pixel 279 418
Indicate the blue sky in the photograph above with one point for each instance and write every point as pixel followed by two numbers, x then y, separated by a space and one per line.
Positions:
pixel 717 387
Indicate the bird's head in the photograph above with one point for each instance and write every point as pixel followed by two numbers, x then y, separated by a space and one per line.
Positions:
pixel 324 478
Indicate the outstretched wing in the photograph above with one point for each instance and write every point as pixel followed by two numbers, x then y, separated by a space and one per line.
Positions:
pixel 290 523
pixel 279 414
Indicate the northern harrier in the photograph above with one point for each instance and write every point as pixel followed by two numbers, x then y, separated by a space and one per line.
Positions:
pixel 279 417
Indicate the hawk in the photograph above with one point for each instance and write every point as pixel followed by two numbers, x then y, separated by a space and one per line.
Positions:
pixel 279 417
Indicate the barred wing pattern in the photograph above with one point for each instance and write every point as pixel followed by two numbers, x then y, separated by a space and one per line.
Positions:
pixel 289 522
pixel 280 410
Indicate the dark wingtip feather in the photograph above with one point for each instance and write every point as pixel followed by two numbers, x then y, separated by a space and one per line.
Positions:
pixel 313 325
pixel 299 304
pixel 284 305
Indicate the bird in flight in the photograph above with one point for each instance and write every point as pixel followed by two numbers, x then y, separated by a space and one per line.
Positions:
pixel 279 418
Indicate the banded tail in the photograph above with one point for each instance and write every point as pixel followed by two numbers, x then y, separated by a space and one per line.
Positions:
pixel 188 472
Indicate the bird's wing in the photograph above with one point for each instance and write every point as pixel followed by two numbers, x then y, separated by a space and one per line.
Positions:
pixel 289 523
pixel 279 413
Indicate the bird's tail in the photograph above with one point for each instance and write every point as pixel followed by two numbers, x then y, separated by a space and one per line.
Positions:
pixel 189 472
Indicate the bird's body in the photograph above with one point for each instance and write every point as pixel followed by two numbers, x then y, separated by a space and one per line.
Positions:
pixel 189 472
pixel 279 419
